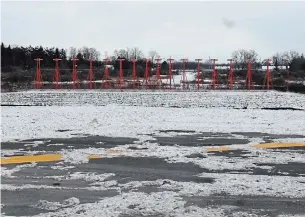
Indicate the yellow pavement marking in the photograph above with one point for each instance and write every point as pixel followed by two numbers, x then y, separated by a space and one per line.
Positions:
pixel 264 145
pixel 278 145
pixel 58 157
pixel 94 156
pixel 31 158
pixel 218 149
pixel 51 157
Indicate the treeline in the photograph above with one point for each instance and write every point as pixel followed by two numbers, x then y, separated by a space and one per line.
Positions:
pixel 16 58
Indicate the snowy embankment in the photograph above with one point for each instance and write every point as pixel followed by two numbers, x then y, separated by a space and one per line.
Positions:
pixel 132 114
pixel 202 99
pixel 113 120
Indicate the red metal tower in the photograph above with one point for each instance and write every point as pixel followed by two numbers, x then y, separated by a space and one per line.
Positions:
pixel 198 72
pixel 90 75
pixel 158 77
pixel 214 74
pixel 183 80
pixel 56 73
pixel 230 75
pixel 121 72
pixel 74 75
pixel 249 76
pixel 37 82
pixel 267 80
pixel 170 72
pixel 106 73
pixel 134 73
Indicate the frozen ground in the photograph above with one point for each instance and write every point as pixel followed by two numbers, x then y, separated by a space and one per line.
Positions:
pixel 202 99
pixel 153 154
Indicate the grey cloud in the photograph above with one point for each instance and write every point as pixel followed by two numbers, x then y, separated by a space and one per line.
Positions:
pixel 228 23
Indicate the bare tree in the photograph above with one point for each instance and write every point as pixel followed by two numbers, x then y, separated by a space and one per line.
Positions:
pixel 284 58
pixel 122 53
pixel 289 56
pixel 241 56
pixel 116 53
pixel 153 55
pixel 277 59
pixel 86 53
pixel 72 52
pixel 136 53
pixel 94 54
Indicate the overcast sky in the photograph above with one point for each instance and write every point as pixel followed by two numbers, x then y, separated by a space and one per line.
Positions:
pixel 178 29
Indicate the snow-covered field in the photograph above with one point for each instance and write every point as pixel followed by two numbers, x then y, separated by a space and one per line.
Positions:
pixel 127 121
pixel 171 131
pixel 202 99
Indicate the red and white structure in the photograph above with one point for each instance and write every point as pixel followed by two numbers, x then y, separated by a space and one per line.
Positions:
pixel 183 76
pixel 74 73
pixel 37 81
pixel 249 76
pixel 187 76
pixel 230 75
pixel 170 72
pixel 214 74
pixel 56 76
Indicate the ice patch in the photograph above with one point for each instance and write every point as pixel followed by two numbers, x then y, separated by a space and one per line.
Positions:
pixel 78 156
pixel 292 215
pixel 233 184
pixel 52 206
pixel 8 187
pixel 74 156
pixel 244 184
pixel 10 152
pixel 58 144
pixel 137 203
pixel 62 167
pixel 90 177
pixel 290 140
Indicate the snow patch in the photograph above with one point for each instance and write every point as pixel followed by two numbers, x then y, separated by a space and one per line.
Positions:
pixel 90 177
pixel 46 205
pixel 117 119
pixel 138 203
pixel 8 173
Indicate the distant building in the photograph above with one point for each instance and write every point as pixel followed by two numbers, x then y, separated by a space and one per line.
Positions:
pixel 110 66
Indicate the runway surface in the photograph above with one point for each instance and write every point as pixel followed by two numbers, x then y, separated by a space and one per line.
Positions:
pixel 81 161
